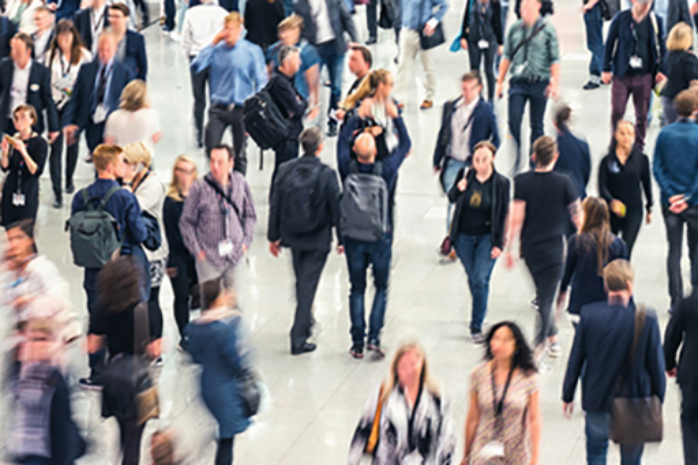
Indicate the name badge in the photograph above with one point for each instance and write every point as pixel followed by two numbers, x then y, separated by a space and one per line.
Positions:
pixel 225 248
pixel 518 69
pixel 635 62
pixel 483 44
pixel 100 114
pixel 18 199
pixel 492 450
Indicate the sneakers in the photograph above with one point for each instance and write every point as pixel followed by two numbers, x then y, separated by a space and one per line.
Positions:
pixel 478 337
pixel 332 131
pixel 375 348
pixel 555 349
pixel 89 384
pixel 357 351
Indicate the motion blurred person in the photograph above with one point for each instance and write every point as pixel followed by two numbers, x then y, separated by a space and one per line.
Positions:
pixel 43 36
pixel 359 63
pixel 575 157
pixel 130 45
pixel 21 14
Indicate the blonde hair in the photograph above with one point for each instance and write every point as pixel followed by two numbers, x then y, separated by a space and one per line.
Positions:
pixel 617 275
pixel 367 88
pixel 105 155
pixel 138 152
pixel 680 37
pixel 173 189
pixel 428 383
pixel 291 22
pixel 134 96
pixel 235 18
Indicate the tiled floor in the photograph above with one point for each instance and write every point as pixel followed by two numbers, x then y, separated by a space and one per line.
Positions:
pixel 315 400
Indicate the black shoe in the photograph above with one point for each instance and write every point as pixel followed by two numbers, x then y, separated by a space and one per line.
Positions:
pixel 304 349
pixel 332 131
pixel 371 41
pixel 70 188
pixel 89 384
pixel 591 85
pixel 357 351
pixel 375 347
pixel 57 204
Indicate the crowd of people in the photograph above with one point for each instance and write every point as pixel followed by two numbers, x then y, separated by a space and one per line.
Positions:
pixel 67 71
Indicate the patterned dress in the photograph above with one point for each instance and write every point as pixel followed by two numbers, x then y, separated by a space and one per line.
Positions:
pixel 514 414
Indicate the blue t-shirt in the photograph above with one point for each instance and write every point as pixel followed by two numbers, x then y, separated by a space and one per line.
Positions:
pixel 309 58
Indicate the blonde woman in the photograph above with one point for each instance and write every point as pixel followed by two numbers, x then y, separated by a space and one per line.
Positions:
pixel 414 423
pixel 682 68
pixel 180 264
pixel 135 120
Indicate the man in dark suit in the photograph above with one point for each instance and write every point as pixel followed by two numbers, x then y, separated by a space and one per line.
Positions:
pixel 23 80
pixel 64 9
pixel 130 48
pixel 601 353
pixel 90 22
pixel 7 32
pixel 324 27
pixel 96 94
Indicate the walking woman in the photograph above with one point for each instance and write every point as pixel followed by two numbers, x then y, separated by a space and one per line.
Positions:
pixel 180 263
pixel 588 252
pixel 682 67
pixel 65 57
pixel 23 159
pixel 135 120
pixel 481 196
pixel 216 342
pixel 621 173
pixel 413 419
pixel 503 422
pixel 482 36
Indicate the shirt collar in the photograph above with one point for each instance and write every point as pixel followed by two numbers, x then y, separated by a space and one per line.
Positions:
pixel 25 69
pixel 470 107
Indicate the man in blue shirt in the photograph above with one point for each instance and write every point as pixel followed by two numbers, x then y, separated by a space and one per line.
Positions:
pixel 123 206
pixel 236 71
pixel 362 254
pixel 675 168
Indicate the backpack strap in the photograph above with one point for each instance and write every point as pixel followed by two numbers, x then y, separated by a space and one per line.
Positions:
pixel 113 190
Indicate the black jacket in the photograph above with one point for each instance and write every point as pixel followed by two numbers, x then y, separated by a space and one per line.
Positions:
pixel 340 19
pixel 496 23
pixel 83 23
pixel 683 329
pixel 501 187
pixel 682 68
pixel 38 95
pixel 677 12
pixel 574 160
pixel 292 104
pixel 7 31
pixel 261 19
pixel 328 191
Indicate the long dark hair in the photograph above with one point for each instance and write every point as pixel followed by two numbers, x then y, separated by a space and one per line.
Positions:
pixel 66 26
pixel 595 232
pixel 523 355
pixel 119 285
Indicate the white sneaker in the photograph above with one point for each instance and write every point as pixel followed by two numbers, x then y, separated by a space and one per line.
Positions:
pixel 555 349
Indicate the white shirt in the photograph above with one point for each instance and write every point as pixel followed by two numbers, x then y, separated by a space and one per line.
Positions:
pixel 318 10
pixel 63 76
pixel 201 24
pixel 460 130
pixel 41 44
pixel 26 20
pixel 133 126
pixel 20 84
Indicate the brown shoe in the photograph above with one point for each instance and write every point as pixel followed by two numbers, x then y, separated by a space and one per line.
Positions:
pixel 426 105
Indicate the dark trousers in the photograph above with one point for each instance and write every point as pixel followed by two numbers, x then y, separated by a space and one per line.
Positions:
pixel 224 452
pixel 145 14
pixel 94 135
pixel 360 256
pixel 476 55
pixel 593 21
pixel 628 227
pixel 283 152
pixel 198 89
pixel 170 13
pixel 307 266
pixel 131 434
pixel 689 424
pixel 183 280
pixel 372 21
pixel 56 162
pixel 674 225
pixel 597 426
pixel 640 87
pixel 520 92
pixel 546 279
pixel 219 120
pixel 335 65
pixel 96 359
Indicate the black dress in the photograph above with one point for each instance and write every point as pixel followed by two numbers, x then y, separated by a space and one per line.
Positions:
pixel 20 181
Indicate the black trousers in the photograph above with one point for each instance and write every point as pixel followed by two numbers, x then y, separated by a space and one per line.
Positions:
pixel 131 434
pixel 198 90
pixel 219 120
pixel 628 227
pixel 546 279
pixel 307 266
pixel 145 14
pixel 283 152
pixel 56 162
pixel 689 423
pixel 476 54
pixel 183 281
pixel 224 453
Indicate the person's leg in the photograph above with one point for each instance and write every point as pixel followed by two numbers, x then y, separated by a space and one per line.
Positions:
pixel 70 165
pixel 180 285
pixel 239 141
pixel 371 19
pixel 642 90
pixel 596 429
pixel 546 280
pixel 381 254
pixel 95 359
pixel 335 67
pixel 670 114
pixel 357 264
pixel 633 221
pixel 429 65
pixel 631 455
pixel 131 434
pixel 224 452
pixel 480 289
pixel 489 70
pixel 286 150
pixel 674 234
pixel 55 162
pixel 537 102
pixel 689 424
pixel 594 32
pixel 517 102
pixel 198 88
pixel 690 216
pixel 94 135
pixel 616 223
pixel 154 306
pixel 474 55
pixel 170 12
pixel 465 246
pixel 620 92
pixel 308 266
pixel 215 128
pixel 409 45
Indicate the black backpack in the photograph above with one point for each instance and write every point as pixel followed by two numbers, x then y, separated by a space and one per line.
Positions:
pixel 300 201
pixel 263 119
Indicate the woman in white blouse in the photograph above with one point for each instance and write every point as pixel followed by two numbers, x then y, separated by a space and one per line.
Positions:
pixel 134 121
pixel 64 58
pixel 21 14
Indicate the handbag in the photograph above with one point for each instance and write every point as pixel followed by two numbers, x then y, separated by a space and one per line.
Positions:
pixel 437 38
pixel 635 420
pixel 372 442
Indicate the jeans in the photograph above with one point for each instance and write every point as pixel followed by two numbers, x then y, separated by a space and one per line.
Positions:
pixel 56 162
pixel 170 12
pixel 131 434
pixel 360 255
pixel 335 65
pixel 409 48
pixel 593 21
pixel 628 227
pixel 476 54
pixel 670 113
pixel 182 283
pixel 219 119
pixel 641 88
pixel 224 452
pixel 451 169
pixel 307 266
pixel 597 431
pixel 546 279
pixel 521 91
pixel 689 424
pixel 674 232
pixel 474 253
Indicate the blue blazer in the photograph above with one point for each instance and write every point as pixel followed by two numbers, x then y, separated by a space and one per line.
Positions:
pixel 66 8
pixel 574 160
pixel 7 31
pixel 135 59
pixel 80 107
pixel 38 95
pixel 601 349
pixel 83 24
pixel 620 43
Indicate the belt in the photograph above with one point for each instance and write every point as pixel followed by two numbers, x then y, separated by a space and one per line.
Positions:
pixel 225 106
pixel 529 80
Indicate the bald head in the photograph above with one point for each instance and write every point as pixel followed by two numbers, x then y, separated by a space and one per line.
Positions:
pixel 365 147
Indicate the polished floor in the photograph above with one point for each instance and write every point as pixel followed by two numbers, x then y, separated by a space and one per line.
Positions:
pixel 315 400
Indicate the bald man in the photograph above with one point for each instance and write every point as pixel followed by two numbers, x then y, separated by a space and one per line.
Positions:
pixel 362 253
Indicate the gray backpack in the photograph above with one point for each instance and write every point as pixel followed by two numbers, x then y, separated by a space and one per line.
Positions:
pixel 364 204
pixel 93 231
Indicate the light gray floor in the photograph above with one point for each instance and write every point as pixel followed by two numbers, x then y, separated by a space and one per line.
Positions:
pixel 316 399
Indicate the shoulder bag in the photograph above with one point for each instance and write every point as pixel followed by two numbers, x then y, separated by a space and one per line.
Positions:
pixel 437 38
pixel 372 443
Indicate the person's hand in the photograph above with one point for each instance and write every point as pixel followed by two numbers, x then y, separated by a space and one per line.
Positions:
pixel 500 50
pixel 675 198
pixel 568 409
pixel 462 185
pixel 671 373
pixel 340 249
pixel 19 146
pixel 509 260
pixel 314 112
pixel 275 248
pixel 53 135
pixel 172 272
pixel 463 44
pixel 618 208
pixel 339 114
pixel 678 207
pixel 201 256
pixel 552 90
pixel 500 89
pixel 70 131
pixel 606 77
pixel 391 109
pixel 648 218
pixel 5 146
pixel 428 29
pixel 589 5
pixel 496 252
pixel 659 78
pixel 244 248
pixel 221 35
pixel 364 110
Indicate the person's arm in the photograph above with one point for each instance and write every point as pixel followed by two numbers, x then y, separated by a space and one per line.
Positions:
pixel 186 36
pixel 250 216
pixel 203 59
pixel 38 156
pixel 471 422
pixel 344 146
pixel 274 223
pixel 534 426
pixel 570 265
pixel 647 183
pixel 446 442
pixel 611 39
pixel 455 192
pixel 142 59
pixel 286 97
pixel 693 190
pixel 497 24
pixel 662 45
pixel 465 24
pixel 499 241
pixel 347 21
pixel 333 194
pixel 442 6
pixel 586 164
pixel 149 194
pixel 494 130
pixel 604 191
pixel 673 337
pixel 518 214
pixel 50 105
pixel 574 364
pixel 312 77
pixel 190 219
pixel 441 142
pixel 655 359
pixel 659 169
pixel 259 68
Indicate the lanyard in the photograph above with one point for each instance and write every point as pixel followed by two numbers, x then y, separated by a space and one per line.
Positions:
pixel 499 406
pixel 64 72
pixel 97 24
pixel 636 39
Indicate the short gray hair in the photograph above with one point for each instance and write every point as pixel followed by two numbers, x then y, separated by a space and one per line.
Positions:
pixel 286 51
pixel 311 138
